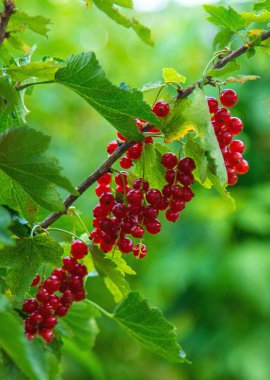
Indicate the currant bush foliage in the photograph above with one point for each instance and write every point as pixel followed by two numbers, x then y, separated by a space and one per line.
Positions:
pixel 30 179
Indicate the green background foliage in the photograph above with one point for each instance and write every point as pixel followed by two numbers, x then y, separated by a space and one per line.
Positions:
pixel 210 271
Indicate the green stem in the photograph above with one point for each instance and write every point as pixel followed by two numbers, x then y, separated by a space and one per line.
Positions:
pixel 75 213
pixel 66 232
pixel 103 311
pixel 19 87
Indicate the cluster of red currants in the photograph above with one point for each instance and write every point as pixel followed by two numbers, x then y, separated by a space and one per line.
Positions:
pixel 68 282
pixel 226 127
pixel 138 211
pixel 160 109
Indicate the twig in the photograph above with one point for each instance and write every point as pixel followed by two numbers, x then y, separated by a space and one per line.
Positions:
pixel 105 167
pixel 9 8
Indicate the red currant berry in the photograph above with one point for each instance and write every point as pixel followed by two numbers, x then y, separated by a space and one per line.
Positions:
pixel 161 108
pixel 30 326
pixel 171 215
pixel 30 305
pixel 105 179
pixel 150 212
pixel 79 295
pixel 137 232
pixel 67 298
pixel 100 189
pixel 80 270
pixel 69 263
pixel 237 146
pixel 153 196
pixel 36 280
pixel 242 167
pixel 153 227
pixel 224 137
pixel 177 205
pixel 235 125
pixel 232 176
pixel 141 184
pixel 36 318
pixel 169 160
pixel 119 210
pixel 177 192
pixel 46 334
pixel 50 322
pixel 107 200
pixel 61 311
pixel 170 176
pixel 164 203
pixel 222 116
pixel 212 104
pixel 60 273
pixel 228 98
pixel 45 310
pixel 126 163
pixel 186 165
pixel 134 196
pixel 135 151
pixel 52 284
pixel 187 194
pixel 185 179
pixel 105 247
pixel 167 191
pixel 125 245
pixel 121 179
pixel 139 251
pixel 100 212
pixel 42 295
pixel 74 282
pixel 78 249
pixel 235 158
pixel 112 146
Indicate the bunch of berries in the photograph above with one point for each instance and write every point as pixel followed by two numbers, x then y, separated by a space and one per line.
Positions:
pixel 160 109
pixel 140 206
pixel 56 294
pixel 226 127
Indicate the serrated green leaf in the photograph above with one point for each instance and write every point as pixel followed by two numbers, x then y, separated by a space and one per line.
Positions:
pixel 225 17
pixel 24 260
pixel 20 21
pixel 149 327
pixel 79 325
pixel 250 17
pixel 172 75
pixel 120 107
pixel 113 278
pixel 222 38
pixel 197 152
pixel 262 5
pixel 5 220
pixel 38 70
pixel 24 165
pixel 120 262
pixel 222 191
pixel 128 22
pixel 228 69
pixel 150 86
pixel 242 79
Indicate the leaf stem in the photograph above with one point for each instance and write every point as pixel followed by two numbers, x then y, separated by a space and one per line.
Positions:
pixel 66 232
pixel 76 214
pixel 103 311
pixel 20 87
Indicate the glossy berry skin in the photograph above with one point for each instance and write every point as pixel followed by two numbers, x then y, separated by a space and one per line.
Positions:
pixel 235 158
pixel 186 165
pixel 42 295
pixel 119 210
pixel 52 284
pixel 69 263
pixel 121 179
pixel 50 322
pixel 61 311
pixel 153 196
pixel 105 179
pixel 46 334
pixel 169 160
pixel 212 104
pixel 170 176
pixel 78 249
pixel 171 215
pixel 232 176
pixel 167 191
pixel 235 125
pixel 60 273
pixel 79 295
pixel 126 163
pixel 141 184
pixel 100 189
pixel 228 98
pixel 139 251
pixel 185 179
pixel 106 201
pixel 153 227
pixel 242 167
pixel 177 205
pixel 222 116
pixel 112 146
pixel 137 232
pixel 161 108
pixel 30 305
pixel 125 245
pixel 36 280
pixel 75 283
pixel 80 270
pixel 134 196
pixel 67 298
pixel 237 146
pixel 150 212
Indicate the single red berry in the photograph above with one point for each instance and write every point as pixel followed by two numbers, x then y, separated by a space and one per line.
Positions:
pixel 52 284
pixel 121 179
pixel 141 184
pixel 232 176
pixel 187 194
pixel 224 137
pixel 177 192
pixel 74 282
pixel 125 245
pixel 63 287
pixel 135 151
pixel 45 310
pixel 171 215
pixel 80 270
pixel 235 158
pixel 30 326
pixel 119 210
pixel 228 98
pixel 164 203
pixel 139 251
pixel 69 263
pixel 235 125
pixel 135 209
pixel 242 167
pixel 137 232
pixel 185 179
pixel 150 212
pixel 46 334
pixel 177 205
pixel 78 249
pixel 148 140
pixel 161 108
pixel 67 298
pixel 105 179
pixel 170 176
pixel 42 295
pixel 61 311
pixel 60 273
pixel 153 226
pixel 126 163
pixel 212 104
pixel 36 280
pixel 50 322
pixel 222 116
pixel 79 295
pixel 54 301
pixel 101 211
pixel 134 196
pixel 36 318
pixel 169 160
pixel 237 146
pixel 153 196
pixel 107 201
pixel 112 146
pixel 167 191
pixel 106 225
pixel 186 165
pixel 100 189
pixel 30 305
pixel 105 247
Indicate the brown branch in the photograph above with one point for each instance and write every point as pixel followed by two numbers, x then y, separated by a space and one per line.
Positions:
pixel 105 167
pixel 9 9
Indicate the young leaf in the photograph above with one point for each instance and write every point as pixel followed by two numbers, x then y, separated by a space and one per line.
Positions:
pixel 262 5
pixel 20 21
pixel 225 17
pixel 120 262
pixel 250 17
pixel 222 38
pixel 228 69
pixel 171 75
pixel 242 79
pixel 84 75
pixel 24 260
pixel 149 327
pixel 113 278
pixel 79 325
pixel 24 166
pixel 5 221
pixel 194 150
pixel 38 70
pixel 128 22
pixel 150 86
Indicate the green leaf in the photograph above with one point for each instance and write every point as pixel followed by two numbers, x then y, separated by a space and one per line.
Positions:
pixel 194 150
pixel 250 17
pixel 225 17
pixel 38 70
pixel 150 86
pixel 5 221
pixel 222 191
pixel 120 262
pixel 25 258
pixel 149 327
pixel 228 69
pixel 222 38
pixel 20 21
pixel 124 3
pixel 79 325
pixel 262 5
pixel 30 357
pixel 128 22
pixel 171 75
pixel 120 107
pixel 112 276
pixel 242 79
pixel 24 166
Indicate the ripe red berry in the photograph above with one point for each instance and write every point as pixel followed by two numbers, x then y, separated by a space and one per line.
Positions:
pixel 232 176
pixel 100 189
pixel 74 282
pixel 121 179
pixel 45 310
pixel 36 280
pixel 186 165
pixel 177 192
pixel 61 311
pixel 105 247
pixel 66 298
pixel 212 104
pixel 79 295
pixel 112 146
pixel 50 322
pixel 135 151
pixel 153 196
pixel 237 146
pixel 242 167
pixel 164 203
pixel 105 179
pixel 167 191
pixel 222 116
pixel 235 125
pixel 161 108
pixel 119 210
pixel 170 176
pixel 134 196
pixel 139 251
pixel 228 98
pixel 185 179
pixel 235 158
pixel 69 263
pixel 187 194
pixel 126 163
pixel 60 273
pixel 42 295
pixel 46 334
pixel 30 305
pixel 30 326
pixel 100 212
pixel 78 249
pixel 36 318
pixel 153 226
pixel 52 284
pixel 125 245
pixel 169 160
pixel 150 212
pixel 141 184
pixel 172 215
pixel 177 205
pixel 107 201
pixel 137 232
pixel 80 270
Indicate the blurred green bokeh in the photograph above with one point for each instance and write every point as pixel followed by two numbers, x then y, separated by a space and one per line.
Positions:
pixel 210 272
